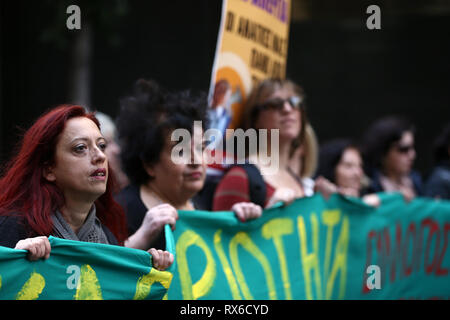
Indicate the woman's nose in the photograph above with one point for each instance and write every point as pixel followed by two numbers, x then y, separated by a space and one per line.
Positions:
pixel 196 156
pixel 287 107
pixel 98 155
pixel 359 172
pixel 412 153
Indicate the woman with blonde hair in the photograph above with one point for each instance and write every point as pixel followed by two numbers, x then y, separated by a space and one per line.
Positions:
pixel 278 105
pixel 303 162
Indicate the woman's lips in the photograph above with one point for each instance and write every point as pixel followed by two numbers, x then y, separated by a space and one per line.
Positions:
pixel 99 174
pixel 194 175
pixel 288 121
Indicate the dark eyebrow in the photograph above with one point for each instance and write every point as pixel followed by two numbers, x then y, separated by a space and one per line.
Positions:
pixel 86 139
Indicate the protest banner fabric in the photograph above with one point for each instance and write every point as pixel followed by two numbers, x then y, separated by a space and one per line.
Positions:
pixel 311 249
pixel 81 271
pixel 316 249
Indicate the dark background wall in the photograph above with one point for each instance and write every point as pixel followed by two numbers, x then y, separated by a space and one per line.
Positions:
pixel 352 75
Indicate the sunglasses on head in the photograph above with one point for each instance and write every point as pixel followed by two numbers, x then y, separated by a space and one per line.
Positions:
pixel 278 104
pixel 404 149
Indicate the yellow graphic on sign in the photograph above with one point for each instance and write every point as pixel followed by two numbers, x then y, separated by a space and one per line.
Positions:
pixel 252 46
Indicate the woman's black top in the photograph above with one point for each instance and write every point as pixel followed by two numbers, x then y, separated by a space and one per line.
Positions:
pixel 129 198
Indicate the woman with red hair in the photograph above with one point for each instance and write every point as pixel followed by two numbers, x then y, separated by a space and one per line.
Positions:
pixel 60 184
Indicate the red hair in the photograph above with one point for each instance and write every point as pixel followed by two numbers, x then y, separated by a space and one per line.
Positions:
pixel 25 191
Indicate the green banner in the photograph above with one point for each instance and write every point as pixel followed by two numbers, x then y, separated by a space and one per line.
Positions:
pixel 82 271
pixel 316 249
pixel 312 249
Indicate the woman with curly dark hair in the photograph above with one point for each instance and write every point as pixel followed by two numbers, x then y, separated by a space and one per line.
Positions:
pixel 159 185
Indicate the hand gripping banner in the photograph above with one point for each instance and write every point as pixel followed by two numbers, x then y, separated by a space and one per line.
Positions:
pixel 82 271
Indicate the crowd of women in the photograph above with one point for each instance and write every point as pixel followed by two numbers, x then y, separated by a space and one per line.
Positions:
pixel 80 176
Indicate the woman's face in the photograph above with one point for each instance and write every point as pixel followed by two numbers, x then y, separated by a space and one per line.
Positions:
pixel 400 157
pixel 179 182
pixel 80 166
pixel 286 117
pixel 349 170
